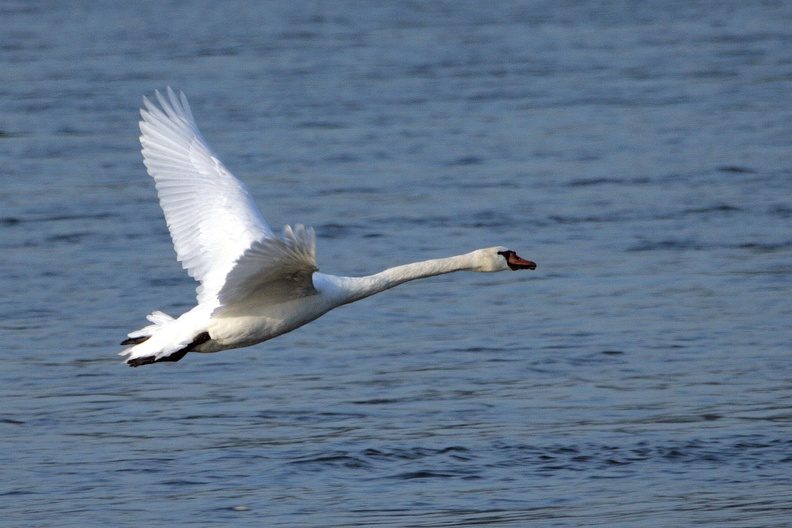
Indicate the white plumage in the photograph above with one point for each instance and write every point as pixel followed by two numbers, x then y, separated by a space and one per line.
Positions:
pixel 253 285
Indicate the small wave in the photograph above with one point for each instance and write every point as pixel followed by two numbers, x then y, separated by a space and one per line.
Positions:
pixel 416 453
pixel 320 461
pixel 466 161
pixel 743 452
pixel 666 245
pixel 736 169
pixel 15 220
pixel 424 474
pixel 588 182
pixel 717 208
pixel 542 460
pixel 766 247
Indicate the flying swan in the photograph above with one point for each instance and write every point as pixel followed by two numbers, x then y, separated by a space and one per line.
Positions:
pixel 254 285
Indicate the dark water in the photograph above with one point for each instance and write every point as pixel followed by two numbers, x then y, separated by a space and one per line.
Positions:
pixel 641 153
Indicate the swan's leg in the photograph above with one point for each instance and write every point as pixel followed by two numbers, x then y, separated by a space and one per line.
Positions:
pixel 200 339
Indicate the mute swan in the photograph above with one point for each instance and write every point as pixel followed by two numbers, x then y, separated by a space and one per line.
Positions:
pixel 254 285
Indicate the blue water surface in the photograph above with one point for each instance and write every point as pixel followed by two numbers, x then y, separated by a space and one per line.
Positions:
pixel 639 152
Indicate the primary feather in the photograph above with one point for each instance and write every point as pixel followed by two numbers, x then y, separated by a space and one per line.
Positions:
pixel 210 214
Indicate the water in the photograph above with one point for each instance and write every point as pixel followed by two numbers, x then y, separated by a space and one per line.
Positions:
pixel 640 153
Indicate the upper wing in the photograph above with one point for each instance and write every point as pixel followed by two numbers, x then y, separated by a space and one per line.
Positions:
pixel 210 214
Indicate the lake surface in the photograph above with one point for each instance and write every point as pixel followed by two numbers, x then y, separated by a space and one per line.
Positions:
pixel 640 153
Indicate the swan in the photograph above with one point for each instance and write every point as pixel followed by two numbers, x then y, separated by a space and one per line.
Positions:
pixel 253 284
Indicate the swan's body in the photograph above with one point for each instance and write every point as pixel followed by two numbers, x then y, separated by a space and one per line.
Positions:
pixel 254 285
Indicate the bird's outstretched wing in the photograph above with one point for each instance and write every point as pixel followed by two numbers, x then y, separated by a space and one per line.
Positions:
pixel 217 230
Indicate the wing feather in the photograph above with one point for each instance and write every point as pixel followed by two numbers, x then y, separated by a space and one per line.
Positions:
pixel 273 270
pixel 211 215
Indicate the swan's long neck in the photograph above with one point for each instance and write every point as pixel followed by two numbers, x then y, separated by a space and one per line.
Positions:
pixel 356 288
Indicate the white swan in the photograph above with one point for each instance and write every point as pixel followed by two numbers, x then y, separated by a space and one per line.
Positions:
pixel 254 285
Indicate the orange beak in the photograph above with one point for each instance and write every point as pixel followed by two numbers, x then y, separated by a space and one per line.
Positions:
pixel 516 262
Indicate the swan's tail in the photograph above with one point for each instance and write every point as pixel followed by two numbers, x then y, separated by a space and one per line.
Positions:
pixel 139 336
pixel 155 342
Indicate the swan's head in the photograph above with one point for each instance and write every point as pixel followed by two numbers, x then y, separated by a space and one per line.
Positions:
pixel 500 259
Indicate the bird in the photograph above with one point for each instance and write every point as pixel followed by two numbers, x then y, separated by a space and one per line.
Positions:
pixel 254 285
